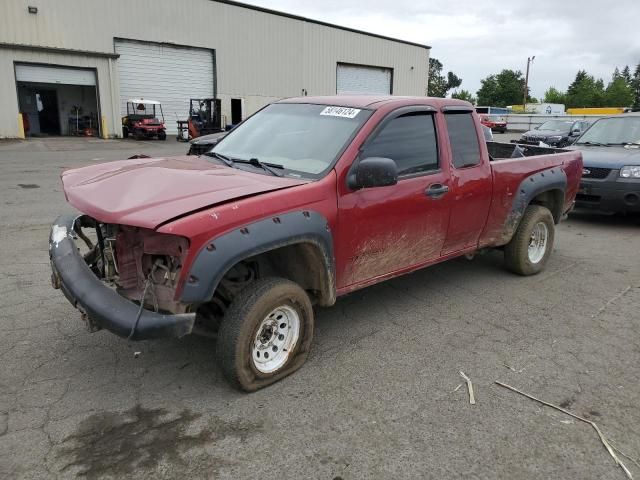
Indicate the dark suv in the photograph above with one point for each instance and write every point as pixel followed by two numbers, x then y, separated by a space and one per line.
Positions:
pixel 611 173
pixel 557 133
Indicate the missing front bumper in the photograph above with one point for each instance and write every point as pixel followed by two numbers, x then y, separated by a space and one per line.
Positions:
pixel 102 307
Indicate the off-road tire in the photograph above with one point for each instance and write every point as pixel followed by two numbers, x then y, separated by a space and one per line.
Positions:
pixel 125 132
pixel 162 136
pixel 516 252
pixel 240 326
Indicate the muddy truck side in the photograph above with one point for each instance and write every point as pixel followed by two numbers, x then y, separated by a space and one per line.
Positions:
pixel 307 200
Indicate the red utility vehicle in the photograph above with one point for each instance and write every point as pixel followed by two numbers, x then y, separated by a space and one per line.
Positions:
pixel 494 122
pixel 144 119
pixel 307 200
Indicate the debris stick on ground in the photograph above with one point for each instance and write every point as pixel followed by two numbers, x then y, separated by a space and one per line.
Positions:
pixel 456 389
pixel 603 439
pixel 472 398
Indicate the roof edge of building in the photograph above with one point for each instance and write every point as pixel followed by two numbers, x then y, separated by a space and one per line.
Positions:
pixel 318 22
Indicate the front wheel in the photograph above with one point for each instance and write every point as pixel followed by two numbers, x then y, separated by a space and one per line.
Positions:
pixel 529 249
pixel 266 333
pixel 162 135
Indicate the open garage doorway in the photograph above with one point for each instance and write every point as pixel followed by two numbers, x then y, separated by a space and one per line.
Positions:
pixel 57 100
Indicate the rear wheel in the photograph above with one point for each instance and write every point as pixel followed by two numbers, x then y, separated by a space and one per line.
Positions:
pixel 125 132
pixel 266 333
pixel 529 249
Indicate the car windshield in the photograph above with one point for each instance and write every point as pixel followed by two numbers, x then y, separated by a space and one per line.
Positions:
pixel 304 139
pixel 620 130
pixel 556 125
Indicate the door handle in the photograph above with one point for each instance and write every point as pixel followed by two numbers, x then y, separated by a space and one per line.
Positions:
pixel 436 190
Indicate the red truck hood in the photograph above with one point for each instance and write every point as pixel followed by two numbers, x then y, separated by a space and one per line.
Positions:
pixel 151 191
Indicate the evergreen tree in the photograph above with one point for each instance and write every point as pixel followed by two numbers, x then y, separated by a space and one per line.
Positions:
pixel 635 88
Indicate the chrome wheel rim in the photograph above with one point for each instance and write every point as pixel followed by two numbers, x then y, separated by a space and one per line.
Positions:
pixel 538 242
pixel 275 339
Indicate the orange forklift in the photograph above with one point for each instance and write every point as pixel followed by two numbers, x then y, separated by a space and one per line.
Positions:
pixel 204 119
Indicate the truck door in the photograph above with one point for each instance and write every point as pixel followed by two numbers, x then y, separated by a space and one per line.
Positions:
pixel 471 181
pixel 386 229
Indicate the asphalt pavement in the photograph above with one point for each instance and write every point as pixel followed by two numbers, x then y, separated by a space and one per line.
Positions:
pixel 379 396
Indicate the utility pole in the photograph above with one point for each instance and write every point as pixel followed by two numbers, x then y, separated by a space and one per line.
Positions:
pixel 526 84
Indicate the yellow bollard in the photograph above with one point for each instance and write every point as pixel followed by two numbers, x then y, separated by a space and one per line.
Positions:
pixel 105 130
pixel 20 127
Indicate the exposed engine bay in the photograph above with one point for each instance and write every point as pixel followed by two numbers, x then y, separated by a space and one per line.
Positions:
pixel 142 265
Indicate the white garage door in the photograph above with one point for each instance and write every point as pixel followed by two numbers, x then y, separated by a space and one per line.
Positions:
pixel 170 75
pixel 59 75
pixel 360 80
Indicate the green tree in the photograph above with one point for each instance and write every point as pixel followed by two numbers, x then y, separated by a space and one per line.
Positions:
pixel 585 91
pixel 439 84
pixel 626 74
pixel 553 95
pixel 635 87
pixel 618 93
pixel 464 95
pixel 505 88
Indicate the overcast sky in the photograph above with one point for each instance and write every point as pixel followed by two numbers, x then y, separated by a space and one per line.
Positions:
pixel 477 38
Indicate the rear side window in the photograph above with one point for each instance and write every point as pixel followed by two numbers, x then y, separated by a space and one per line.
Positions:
pixel 409 140
pixel 463 139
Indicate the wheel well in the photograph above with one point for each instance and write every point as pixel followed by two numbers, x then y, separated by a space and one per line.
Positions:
pixel 552 200
pixel 303 263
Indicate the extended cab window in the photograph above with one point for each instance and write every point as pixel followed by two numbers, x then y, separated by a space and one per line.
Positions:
pixel 409 140
pixel 463 139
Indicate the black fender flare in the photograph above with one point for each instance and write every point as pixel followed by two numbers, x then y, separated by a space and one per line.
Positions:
pixel 221 253
pixel 547 180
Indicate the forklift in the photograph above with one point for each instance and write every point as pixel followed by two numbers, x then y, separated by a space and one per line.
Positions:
pixel 204 119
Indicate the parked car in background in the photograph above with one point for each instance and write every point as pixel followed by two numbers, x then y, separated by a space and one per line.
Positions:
pixel 307 200
pixel 203 144
pixel 611 172
pixel 556 133
pixel 494 122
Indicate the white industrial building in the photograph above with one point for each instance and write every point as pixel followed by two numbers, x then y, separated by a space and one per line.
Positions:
pixel 66 64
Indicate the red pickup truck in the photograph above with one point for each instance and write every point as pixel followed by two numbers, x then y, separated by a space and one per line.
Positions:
pixel 307 200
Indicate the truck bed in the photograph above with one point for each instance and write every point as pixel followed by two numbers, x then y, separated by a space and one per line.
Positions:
pixel 500 151
pixel 510 171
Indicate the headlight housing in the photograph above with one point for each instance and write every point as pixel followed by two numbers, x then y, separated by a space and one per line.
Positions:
pixel 630 171
pixel 554 139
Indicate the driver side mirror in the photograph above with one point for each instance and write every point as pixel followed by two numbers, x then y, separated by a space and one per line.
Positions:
pixel 575 131
pixel 373 172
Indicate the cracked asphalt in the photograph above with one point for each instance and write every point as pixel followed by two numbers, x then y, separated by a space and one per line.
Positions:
pixel 377 398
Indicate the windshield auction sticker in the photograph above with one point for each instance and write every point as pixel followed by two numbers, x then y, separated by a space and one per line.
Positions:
pixel 344 112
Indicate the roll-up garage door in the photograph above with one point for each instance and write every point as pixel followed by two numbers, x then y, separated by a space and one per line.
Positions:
pixel 169 74
pixel 360 79
pixel 57 75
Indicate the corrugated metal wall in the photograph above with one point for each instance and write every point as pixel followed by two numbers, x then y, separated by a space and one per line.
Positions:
pixel 260 56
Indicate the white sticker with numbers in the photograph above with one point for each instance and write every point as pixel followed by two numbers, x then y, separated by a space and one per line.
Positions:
pixel 344 112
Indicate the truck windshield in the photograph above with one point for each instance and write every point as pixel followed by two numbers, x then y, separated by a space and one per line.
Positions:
pixel 304 139
pixel 556 125
pixel 620 130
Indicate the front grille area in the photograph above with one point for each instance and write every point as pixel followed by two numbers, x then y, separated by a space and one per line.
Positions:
pixel 588 172
pixel 199 149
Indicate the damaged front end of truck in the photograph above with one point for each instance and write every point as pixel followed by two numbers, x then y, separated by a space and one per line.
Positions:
pixel 121 278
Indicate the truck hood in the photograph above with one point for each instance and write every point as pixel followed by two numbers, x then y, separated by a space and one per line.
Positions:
pixel 614 157
pixel 149 192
